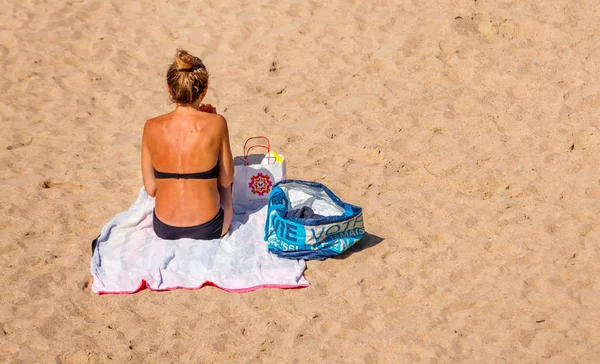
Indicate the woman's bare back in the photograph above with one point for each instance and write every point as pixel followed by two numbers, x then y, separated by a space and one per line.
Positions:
pixel 182 142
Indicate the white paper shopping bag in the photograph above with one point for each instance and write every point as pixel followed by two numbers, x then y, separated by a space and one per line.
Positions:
pixel 255 175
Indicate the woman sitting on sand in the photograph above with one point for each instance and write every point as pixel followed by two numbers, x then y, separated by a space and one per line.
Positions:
pixel 186 159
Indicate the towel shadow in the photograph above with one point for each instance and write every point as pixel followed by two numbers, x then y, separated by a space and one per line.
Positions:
pixel 367 241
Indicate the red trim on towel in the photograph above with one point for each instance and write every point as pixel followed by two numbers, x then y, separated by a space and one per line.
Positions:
pixel 144 285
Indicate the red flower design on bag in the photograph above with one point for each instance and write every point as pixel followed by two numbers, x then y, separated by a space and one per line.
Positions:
pixel 260 184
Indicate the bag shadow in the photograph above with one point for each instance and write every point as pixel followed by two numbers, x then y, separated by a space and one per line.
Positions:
pixel 241 219
pixel 367 241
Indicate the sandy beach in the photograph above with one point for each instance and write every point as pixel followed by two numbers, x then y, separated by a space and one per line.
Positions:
pixel 468 130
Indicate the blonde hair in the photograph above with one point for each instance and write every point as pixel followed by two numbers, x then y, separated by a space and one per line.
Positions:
pixel 187 78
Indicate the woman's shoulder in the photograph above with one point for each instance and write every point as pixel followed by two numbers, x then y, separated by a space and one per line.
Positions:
pixel 215 117
pixel 152 123
pixel 217 121
pixel 161 118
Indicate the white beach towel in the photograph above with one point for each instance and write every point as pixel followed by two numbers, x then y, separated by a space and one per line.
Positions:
pixel 128 256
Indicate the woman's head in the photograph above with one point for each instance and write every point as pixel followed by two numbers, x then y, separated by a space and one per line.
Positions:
pixel 187 78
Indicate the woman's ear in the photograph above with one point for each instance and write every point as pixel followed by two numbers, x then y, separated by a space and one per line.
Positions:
pixel 168 89
pixel 203 94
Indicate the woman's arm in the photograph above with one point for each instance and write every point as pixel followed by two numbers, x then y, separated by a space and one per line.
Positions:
pixel 225 176
pixel 147 168
pixel 225 157
pixel 227 202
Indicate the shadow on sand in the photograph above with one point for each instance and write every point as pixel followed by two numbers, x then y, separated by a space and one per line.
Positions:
pixel 367 241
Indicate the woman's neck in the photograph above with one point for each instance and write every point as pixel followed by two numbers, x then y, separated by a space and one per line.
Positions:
pixel 194 105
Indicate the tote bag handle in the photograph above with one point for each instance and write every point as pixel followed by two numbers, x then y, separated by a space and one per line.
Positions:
pixel 253 144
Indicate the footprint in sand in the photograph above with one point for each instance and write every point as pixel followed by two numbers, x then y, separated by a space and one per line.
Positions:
pixel 85 284
pixel 20 144
pixel 3 51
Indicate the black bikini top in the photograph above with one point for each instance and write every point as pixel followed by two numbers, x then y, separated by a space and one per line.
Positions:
pixel 212 173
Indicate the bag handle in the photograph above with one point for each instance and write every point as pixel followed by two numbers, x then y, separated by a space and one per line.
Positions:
pixel 252 146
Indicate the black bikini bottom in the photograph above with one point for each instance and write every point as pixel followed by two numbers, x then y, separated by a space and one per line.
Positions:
pixel 207 231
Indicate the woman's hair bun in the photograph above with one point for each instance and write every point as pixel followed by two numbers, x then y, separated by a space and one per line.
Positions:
pixel 184 60
pixel 187 78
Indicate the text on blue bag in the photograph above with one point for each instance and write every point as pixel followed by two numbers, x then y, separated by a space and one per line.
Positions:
pixel 299 237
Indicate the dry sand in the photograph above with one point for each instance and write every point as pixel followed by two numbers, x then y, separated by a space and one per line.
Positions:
pixel 468 130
